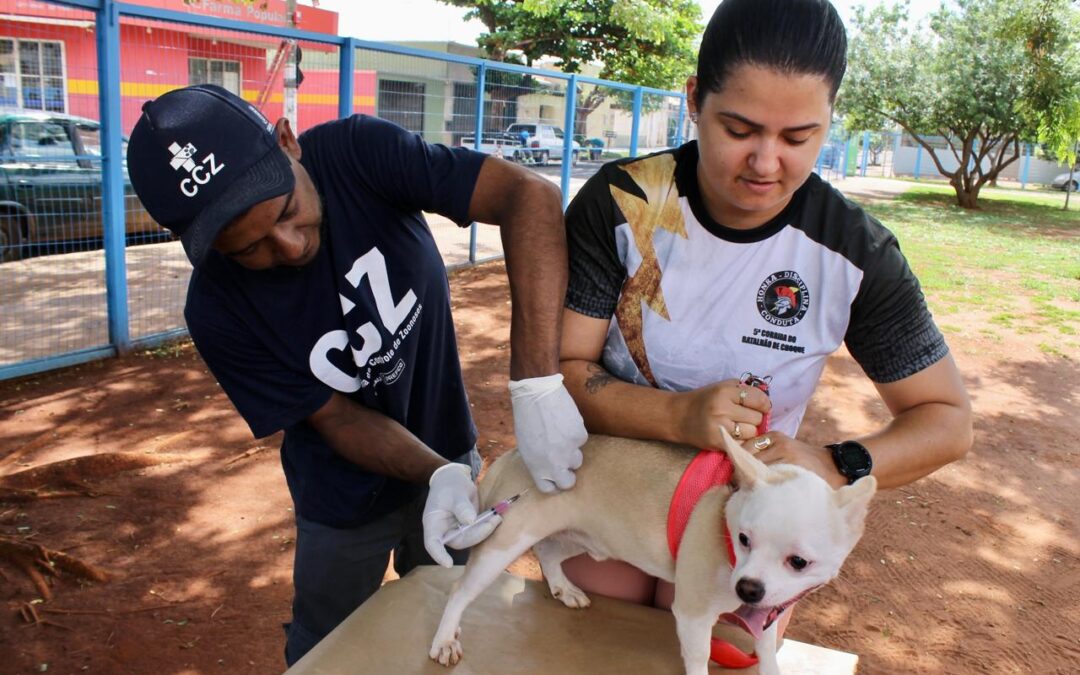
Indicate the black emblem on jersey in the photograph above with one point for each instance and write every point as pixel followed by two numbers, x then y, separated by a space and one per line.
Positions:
pixel 783 299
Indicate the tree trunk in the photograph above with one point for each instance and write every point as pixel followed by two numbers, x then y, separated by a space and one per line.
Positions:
pixel 966 198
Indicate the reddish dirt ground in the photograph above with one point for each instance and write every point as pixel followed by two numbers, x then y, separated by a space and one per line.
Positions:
pixel 972 570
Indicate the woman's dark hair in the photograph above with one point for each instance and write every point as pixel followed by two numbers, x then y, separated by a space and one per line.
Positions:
pixel 804 37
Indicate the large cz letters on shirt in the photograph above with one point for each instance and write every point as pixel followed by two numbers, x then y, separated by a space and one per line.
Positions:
pixel 373 265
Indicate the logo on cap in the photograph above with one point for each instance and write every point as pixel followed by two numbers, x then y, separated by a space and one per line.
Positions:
pixel 184 158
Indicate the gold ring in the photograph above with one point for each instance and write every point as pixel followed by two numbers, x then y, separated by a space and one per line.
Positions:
pixel 738 432
pixel 762 443
pixel 742 396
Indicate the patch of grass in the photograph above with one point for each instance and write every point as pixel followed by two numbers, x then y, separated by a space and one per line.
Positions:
pixel 169 350
pixel 1004 319
pixel 1047 348
pixel 1017 248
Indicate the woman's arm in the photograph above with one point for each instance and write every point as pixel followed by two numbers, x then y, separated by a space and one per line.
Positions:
pixel 611 406
pixel 931 427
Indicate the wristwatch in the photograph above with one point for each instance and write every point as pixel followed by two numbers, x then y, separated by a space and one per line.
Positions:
pixel 852 460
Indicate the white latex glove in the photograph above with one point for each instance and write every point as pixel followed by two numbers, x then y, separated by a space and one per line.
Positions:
pixel 452 502
pixel 549 429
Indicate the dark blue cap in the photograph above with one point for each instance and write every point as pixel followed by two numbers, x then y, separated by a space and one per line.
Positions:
pixel 201 156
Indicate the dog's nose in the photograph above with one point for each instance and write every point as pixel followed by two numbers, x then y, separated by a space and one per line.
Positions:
pixel 750 590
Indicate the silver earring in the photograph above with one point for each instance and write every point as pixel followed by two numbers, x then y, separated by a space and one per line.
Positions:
pixel 693 117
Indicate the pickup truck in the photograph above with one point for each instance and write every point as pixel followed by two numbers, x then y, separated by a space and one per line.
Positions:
pixel 545 144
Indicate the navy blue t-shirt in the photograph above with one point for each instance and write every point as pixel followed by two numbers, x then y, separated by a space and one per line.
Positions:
pixel 369 317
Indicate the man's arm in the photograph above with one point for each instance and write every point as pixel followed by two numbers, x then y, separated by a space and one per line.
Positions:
pixel 379 444
pixel 373 441
pixel 528 210
pixel 612 406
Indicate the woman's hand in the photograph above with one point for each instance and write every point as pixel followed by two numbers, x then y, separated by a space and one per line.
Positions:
pixel 778 448
pixel 736 407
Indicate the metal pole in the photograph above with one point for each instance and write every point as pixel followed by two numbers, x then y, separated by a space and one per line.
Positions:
pixel 918 161
pixel 1026 166
pixel 478 138
pixel 568 139
pixel 636 126
pixel 865 152
pixel 289 111
pixel 682 121
pixel 107 20
pixel 346 78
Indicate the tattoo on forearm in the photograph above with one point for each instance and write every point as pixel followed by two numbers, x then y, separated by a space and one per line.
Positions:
pixel 598 378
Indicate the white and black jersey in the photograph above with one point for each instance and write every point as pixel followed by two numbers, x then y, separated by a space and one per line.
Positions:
pixel 695 302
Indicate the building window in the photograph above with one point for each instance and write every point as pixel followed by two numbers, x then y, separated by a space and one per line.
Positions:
pixel 402 103
pixel 32 74
pixel 225 74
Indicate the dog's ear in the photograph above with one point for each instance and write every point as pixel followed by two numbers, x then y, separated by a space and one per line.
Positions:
pixel 854 501
pixel 748 469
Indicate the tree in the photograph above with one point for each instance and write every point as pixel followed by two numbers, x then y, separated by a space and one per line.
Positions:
pixel 1048 30
pixel 973 79
pixel 643 42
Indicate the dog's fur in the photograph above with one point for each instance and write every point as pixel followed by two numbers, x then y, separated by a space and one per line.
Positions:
pixel 619 509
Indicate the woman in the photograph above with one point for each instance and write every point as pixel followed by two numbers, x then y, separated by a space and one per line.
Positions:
pixel 693 266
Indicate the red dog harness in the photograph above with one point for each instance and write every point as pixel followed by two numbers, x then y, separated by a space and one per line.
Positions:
pixel 707 470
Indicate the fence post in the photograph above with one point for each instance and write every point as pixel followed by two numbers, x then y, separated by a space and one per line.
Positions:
pixel 107 30
pixel 682 120
pixel 1026 166
pixel 636 126
pixel 568 139
pixel 346 77
pixel 478 139
pixel 865 152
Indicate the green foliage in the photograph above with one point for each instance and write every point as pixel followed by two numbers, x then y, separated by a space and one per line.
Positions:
pixel 1050 33
pixel 646 42
pixel 986 75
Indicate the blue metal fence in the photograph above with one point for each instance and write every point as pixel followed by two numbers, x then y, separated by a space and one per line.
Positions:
pixel 62 306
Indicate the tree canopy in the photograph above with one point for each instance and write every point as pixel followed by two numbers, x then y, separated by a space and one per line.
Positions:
pixel 985 75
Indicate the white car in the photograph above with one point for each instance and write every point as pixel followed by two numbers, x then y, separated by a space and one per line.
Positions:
pixel 1061 181
pixel 545 141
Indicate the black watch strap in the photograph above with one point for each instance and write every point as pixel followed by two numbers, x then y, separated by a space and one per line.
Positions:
pixel 852 460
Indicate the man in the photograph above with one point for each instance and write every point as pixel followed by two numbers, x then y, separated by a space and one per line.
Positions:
pixel 320 302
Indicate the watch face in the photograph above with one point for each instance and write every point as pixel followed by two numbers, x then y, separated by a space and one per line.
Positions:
pixel 852 460
pixel 854 456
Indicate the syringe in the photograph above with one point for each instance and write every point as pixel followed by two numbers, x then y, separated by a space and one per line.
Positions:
pixel 498 509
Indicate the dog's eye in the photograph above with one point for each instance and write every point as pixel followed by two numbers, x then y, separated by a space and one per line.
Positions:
pixel 797 563
pixel 744 540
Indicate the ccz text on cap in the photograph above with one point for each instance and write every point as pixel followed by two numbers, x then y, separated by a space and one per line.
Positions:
pixel 184 158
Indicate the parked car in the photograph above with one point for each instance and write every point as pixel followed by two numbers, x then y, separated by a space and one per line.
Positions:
pixel 1061 181
pixel 545 141
pixel 50 186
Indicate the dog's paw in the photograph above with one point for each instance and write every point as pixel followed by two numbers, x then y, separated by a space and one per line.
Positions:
pixel 447 653
pixel 571 596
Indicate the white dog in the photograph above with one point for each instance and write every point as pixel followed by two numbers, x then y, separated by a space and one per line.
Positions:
pixel 791 534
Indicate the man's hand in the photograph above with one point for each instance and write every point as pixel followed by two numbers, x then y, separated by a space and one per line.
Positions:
pixel 452 502
pixel 549 429
pixel 783 449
